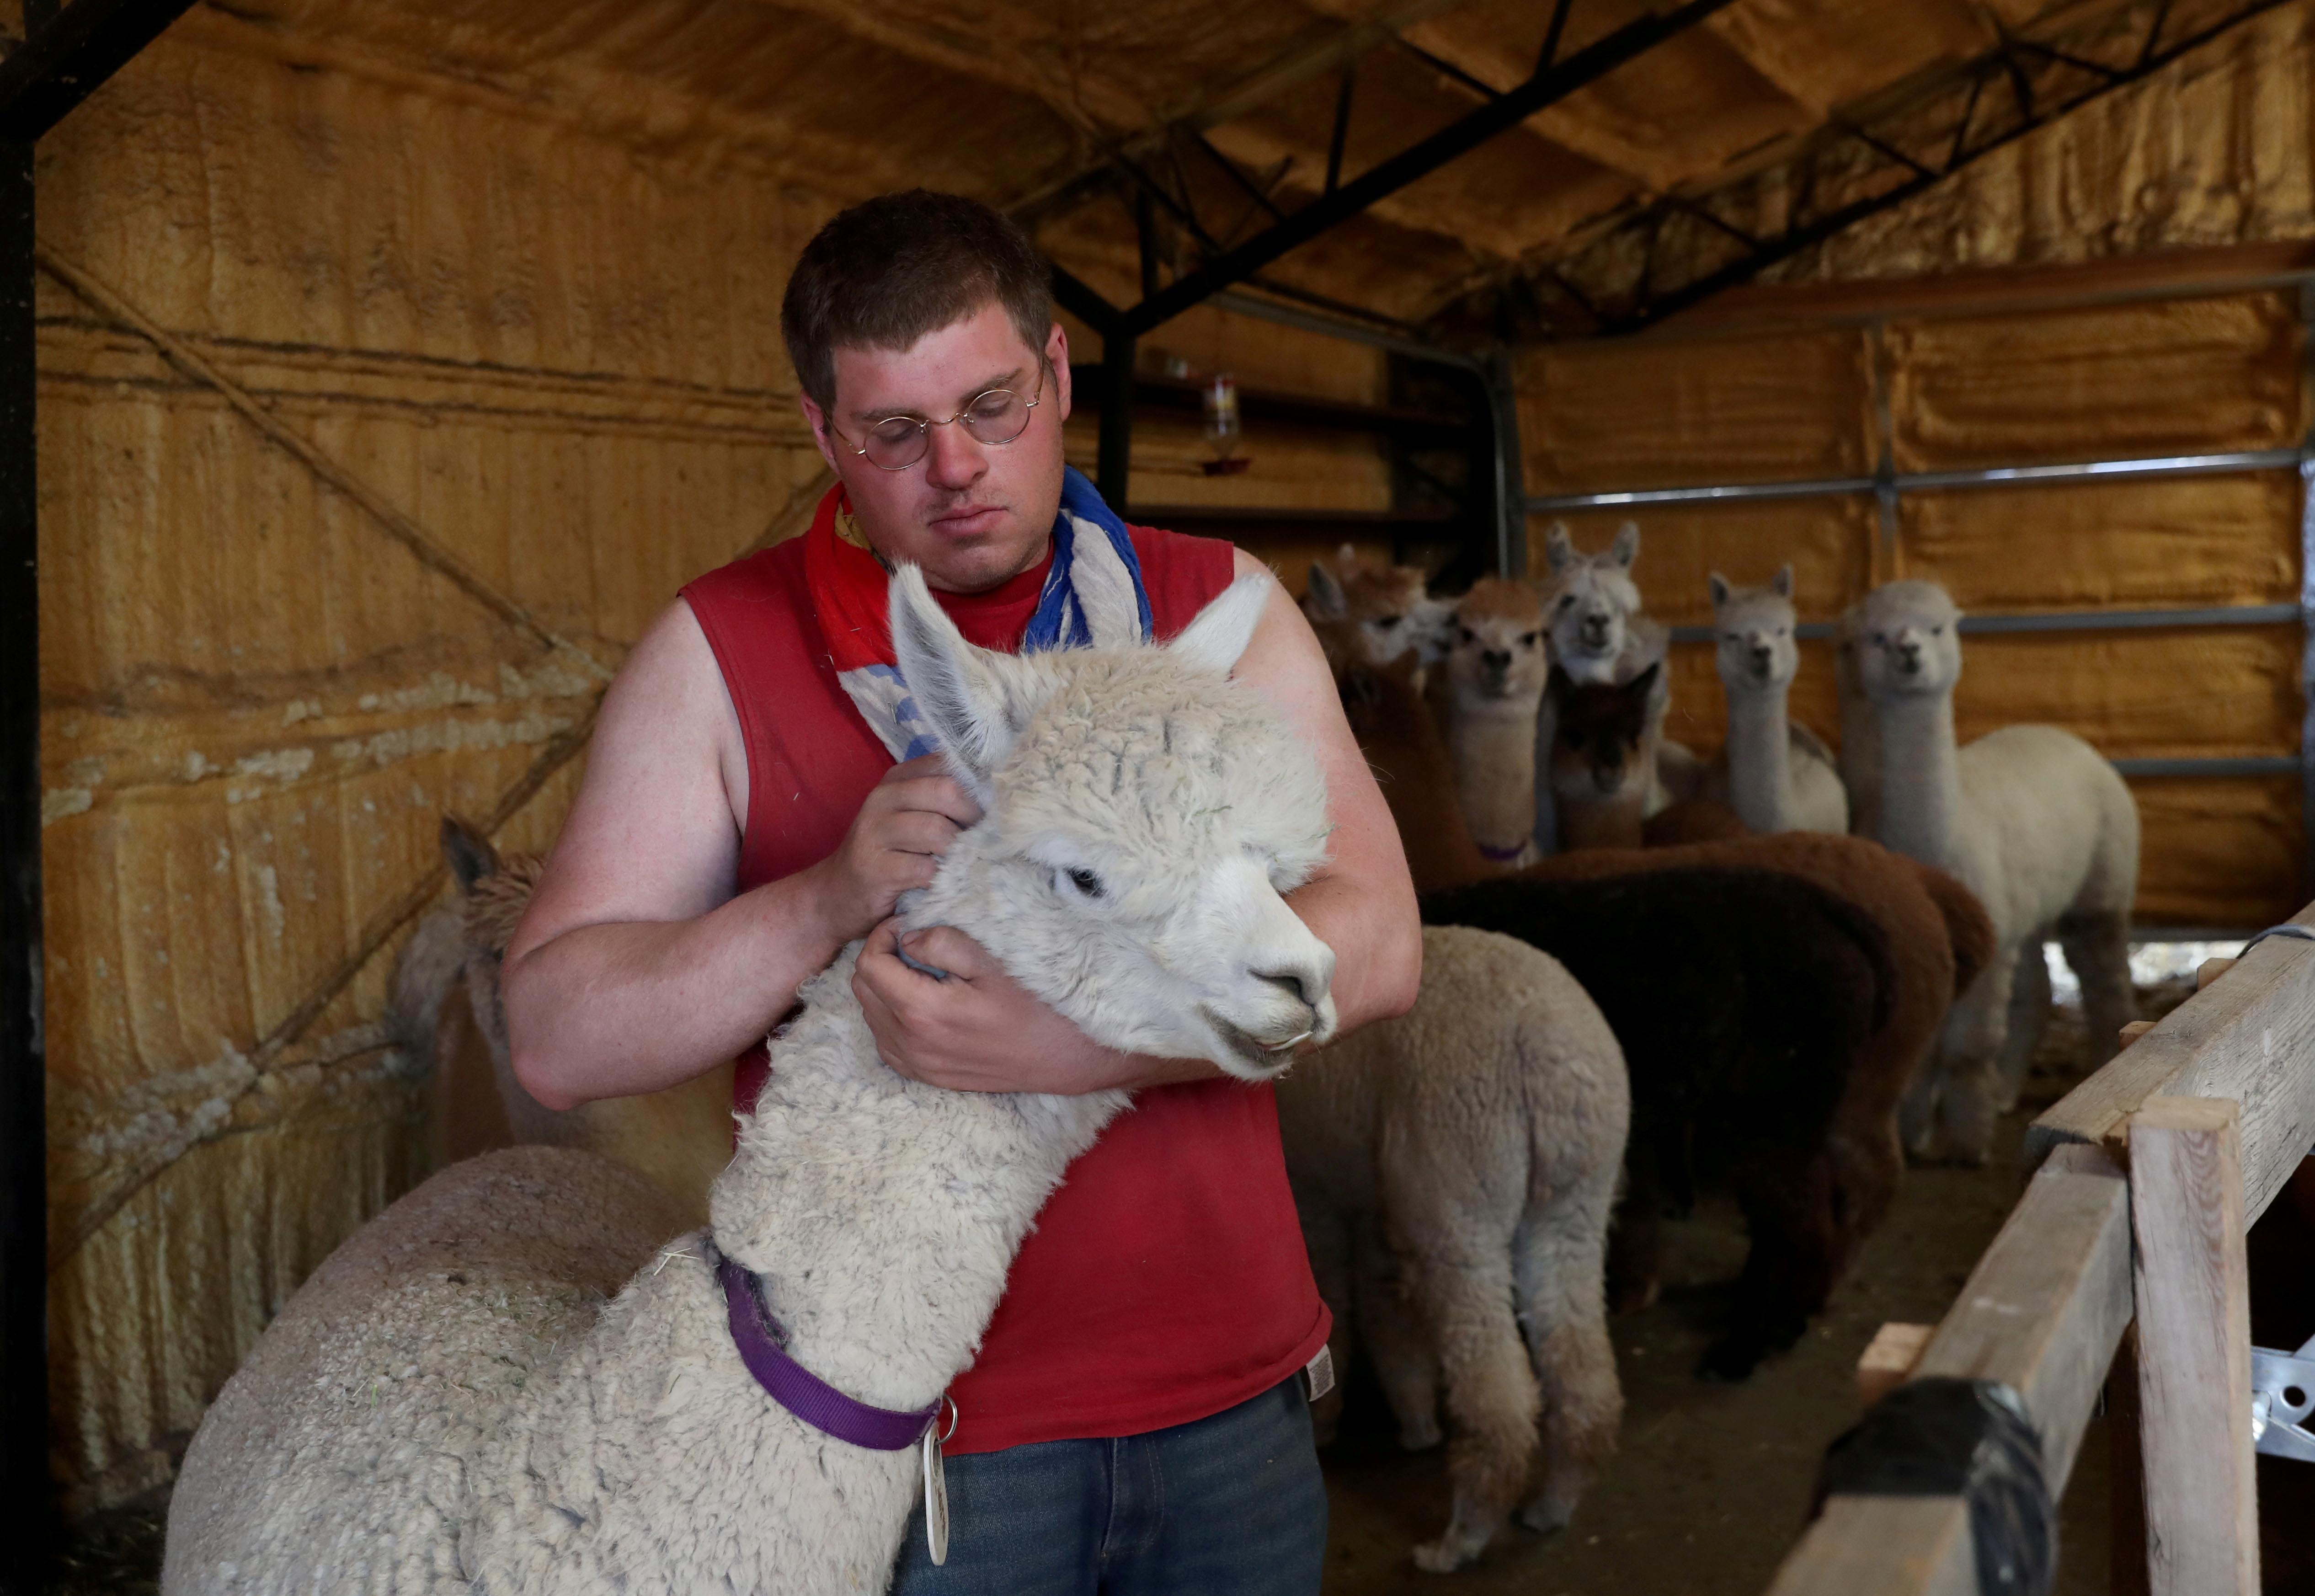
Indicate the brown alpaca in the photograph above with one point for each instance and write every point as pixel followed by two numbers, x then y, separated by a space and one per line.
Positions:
pixel 1386 613
pixel 1940 935
pixel 679 1139
pixel 1937 933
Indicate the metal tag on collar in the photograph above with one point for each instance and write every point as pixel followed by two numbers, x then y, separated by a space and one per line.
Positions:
pixel 936 1488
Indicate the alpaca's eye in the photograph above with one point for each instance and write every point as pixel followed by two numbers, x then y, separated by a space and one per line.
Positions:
pixel 1880 640
pixel 1528 639
pixel 1085 881
pixel 1467 634
pixel 1385 623
pixel 1938 631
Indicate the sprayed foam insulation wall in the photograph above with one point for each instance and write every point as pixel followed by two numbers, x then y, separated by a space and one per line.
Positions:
pixel 2172 376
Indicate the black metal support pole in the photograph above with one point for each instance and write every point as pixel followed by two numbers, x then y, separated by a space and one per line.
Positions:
pixel 26 1494
pixel 1116 417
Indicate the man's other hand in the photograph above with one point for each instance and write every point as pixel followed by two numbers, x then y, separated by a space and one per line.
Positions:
pixel 895 844
pixel 980 1030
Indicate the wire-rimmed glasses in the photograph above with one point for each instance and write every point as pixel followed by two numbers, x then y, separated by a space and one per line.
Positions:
pixel 998 415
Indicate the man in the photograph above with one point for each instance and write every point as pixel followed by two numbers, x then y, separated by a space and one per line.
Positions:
pixel 1136 1419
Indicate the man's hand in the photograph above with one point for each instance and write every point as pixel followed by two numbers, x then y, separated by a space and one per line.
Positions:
pixel 982 1030
pixel 895 844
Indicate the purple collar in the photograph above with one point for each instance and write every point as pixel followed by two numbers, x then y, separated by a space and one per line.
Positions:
pixel 1503 855
pixel 757 1336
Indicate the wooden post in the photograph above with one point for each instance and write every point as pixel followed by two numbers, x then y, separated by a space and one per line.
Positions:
pixel 2194 1347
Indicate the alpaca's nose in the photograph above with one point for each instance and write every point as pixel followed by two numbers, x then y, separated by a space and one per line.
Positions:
pixel 1498 660
pixel 1909 656
pixel 1295 981
pixel 1761 658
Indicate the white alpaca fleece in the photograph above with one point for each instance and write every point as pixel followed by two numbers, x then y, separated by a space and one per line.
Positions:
pixel 519 1442
pixel 1775 774
pixel 2031 819
pixel 1454 1169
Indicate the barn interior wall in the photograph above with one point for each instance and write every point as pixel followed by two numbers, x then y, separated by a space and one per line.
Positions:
pixel 560 356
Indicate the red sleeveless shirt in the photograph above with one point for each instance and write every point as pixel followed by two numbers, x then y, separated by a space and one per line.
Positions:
pixel 1166 1279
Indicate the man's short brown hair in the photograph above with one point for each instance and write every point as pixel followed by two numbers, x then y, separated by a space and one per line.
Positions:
pixel 893 269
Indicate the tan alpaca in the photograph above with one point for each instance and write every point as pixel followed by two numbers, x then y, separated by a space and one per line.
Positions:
pixel 1388 610
pixel 679 1139
pixel 1496 670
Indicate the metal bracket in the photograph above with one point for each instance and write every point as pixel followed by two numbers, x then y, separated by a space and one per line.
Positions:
pixel 2281 1395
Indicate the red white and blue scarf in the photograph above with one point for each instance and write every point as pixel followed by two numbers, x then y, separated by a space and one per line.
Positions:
pixel 1093 597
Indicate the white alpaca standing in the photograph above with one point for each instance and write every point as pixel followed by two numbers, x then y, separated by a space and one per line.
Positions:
pixel 1776 775
pixel 1455 1169
pixel 1598 637
pixel 440 1410
pixel 2031 819
pixel 1496 669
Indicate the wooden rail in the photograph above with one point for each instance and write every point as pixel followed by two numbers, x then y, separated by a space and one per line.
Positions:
pixel 2047 1305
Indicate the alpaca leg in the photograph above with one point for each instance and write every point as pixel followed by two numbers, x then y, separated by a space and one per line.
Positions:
pixel 1917 1111
pixel 1784 1184
pixel 1969 1102
pixel 1327 1236
pixel 1635 1235
pixel 1463 1282
pixel 1397 1343
pixel 2029 1017
pixel 1558 1263
pixel 1868 1162
pixel 2098 951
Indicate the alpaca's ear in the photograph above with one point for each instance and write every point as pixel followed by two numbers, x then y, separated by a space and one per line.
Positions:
pixel 1214 640
pixel 1718 584
pixel 1783 580
pixel 468 852
pixel 1558 686
pixel 1325 596
pixel 975 702
pixel 1558 549
pixel 1644 684
pixel 1626 546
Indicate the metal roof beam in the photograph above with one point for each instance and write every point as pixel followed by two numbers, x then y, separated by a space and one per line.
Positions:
pixel 1387 177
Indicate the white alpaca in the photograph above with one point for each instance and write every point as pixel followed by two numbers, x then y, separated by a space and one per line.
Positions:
pixel 1496 669
pixel 1598 637
pixel 1454 1169
pixel 1775 774
pixel 440 1409
pixel 2030 819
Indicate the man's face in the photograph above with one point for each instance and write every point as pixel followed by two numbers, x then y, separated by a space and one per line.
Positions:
pixel 972 514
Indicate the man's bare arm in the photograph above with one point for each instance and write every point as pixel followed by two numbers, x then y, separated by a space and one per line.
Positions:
pixel 635 966
pixel 983 1032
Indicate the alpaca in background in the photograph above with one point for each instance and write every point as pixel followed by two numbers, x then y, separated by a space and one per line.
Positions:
pixel 446 1010
pixel 1601 766
pixel 1940 940
pixel 2032 818
pixel 1388 610
pixel 1598 637
pixel 1773 772
pixel 1747 1000
pixel 1454 1169
pixel 1496 669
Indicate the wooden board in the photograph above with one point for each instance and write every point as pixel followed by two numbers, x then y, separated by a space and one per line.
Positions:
pixel 2043 1312
pixel 2194 1339
pixel 2244 1037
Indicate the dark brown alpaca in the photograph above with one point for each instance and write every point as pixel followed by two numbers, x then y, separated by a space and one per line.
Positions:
pixel 1602 760
pixel 1741 998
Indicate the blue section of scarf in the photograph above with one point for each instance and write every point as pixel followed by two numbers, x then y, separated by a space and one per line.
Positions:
pixel 1059 621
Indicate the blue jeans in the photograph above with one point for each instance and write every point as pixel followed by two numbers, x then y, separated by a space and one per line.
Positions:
pixel 1230 1505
